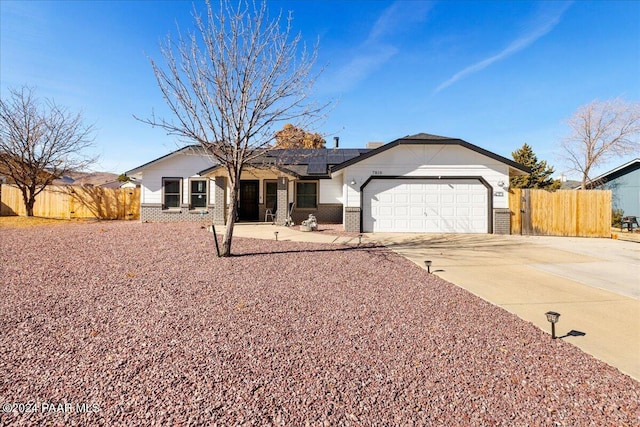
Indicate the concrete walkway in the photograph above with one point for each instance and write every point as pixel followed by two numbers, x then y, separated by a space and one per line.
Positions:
pixel 265 230
pixel 593 283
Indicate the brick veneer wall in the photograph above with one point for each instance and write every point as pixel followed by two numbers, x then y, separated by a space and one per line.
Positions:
pixel 220 185
pixel 324 213
pixel 501 221
pixel 352 219
pixel 154 213
pixel 282 199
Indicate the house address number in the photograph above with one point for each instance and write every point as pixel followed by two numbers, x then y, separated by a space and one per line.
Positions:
pixel 376 172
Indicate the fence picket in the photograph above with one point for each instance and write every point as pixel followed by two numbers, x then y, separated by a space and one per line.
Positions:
pixel 561 213
pixel 75 202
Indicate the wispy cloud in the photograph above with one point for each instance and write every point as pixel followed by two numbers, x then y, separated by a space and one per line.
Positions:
pixel 400 15
pixel 362 65
pixel 545 21
pixel 378 48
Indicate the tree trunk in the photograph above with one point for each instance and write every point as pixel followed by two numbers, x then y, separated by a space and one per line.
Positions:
pixel 585 178
pixel 29 201
pixel 232 214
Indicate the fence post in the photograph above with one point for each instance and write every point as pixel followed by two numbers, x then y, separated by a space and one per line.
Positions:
pixel 525 212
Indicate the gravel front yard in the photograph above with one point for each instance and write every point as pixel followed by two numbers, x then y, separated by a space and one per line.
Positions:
pixel 122 323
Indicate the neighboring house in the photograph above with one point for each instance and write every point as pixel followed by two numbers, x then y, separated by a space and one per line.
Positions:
pixel 624 183
pixel 119 184
pixel 570 184
pixel 419 183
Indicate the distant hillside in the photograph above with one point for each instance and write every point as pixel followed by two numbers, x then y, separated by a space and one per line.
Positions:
pixel 88 178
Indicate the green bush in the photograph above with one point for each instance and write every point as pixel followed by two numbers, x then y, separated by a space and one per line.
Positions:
pixel 616 217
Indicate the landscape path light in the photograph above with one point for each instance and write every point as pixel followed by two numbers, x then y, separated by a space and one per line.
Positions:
pixel 276 233
pixel 553 317
pixel 427 264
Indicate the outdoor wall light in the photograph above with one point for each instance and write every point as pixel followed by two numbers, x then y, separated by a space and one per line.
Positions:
pixel 500 183
pixel 428 265
pixel 276 234
pixel 353 181
pixel 553 317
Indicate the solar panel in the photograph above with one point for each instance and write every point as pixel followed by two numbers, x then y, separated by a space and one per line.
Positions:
pixel 335 158
pixel 350 153
pixel 317 168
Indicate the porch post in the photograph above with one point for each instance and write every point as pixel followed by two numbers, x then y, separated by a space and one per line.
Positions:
pixel 282 197
pixel 220 200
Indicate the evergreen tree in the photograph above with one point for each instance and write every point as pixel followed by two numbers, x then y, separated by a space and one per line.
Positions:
pixel 540 176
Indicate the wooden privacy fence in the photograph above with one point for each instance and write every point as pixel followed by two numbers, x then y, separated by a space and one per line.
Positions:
pixel 75 202
pixel 580 213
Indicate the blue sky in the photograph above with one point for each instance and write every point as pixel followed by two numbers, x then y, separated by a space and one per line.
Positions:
pixel 496 74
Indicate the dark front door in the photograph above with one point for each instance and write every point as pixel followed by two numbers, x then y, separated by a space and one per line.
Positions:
pixel 248 207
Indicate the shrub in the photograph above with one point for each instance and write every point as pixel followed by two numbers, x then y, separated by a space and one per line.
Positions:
pixel 616 217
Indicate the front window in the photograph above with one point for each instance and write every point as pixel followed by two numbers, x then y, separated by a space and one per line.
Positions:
pixel 306 195
pixel 171 192
pixel 198 193
pixel 271 195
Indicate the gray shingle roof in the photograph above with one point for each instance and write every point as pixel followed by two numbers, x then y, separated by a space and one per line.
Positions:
pixel 303 162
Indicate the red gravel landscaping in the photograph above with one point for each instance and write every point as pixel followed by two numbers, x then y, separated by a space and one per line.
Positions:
pixel 122 323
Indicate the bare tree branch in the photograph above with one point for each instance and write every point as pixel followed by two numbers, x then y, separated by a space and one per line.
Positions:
pixel 231 83
pixel 600 132
pixel 39 142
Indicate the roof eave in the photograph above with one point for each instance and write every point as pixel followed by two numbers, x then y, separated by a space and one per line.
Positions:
pixel 210 171
pixel 436 141
pixel 139 169
pixel 616 171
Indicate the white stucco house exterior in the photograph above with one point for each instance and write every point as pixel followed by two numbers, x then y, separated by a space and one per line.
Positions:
pixel 420 183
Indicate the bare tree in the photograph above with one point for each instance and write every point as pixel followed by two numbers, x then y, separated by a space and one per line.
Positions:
pixel 601 131
pixel 39 142
pixel 231 83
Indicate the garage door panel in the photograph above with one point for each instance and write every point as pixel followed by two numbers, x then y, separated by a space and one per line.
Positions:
pixel 401 198
pixel 385 211
pixel 447 198
pixel 479 211
pixel 463 211
pixel 446 211
pixel 385 198
pixel 416 224
pixel 463 198
pixel 478 198
pixel 384 223
pixel 415 198
pixel 425 205
pixel 416 211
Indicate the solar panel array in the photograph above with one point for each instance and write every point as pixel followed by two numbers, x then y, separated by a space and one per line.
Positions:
pixel 317 161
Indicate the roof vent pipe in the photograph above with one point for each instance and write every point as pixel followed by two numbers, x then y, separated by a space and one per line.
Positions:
pixel 336 140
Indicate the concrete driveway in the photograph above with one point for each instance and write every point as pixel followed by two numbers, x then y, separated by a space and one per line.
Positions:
pixel 593 283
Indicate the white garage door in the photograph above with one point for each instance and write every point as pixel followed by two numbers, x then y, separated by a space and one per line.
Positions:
pixel 425 206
